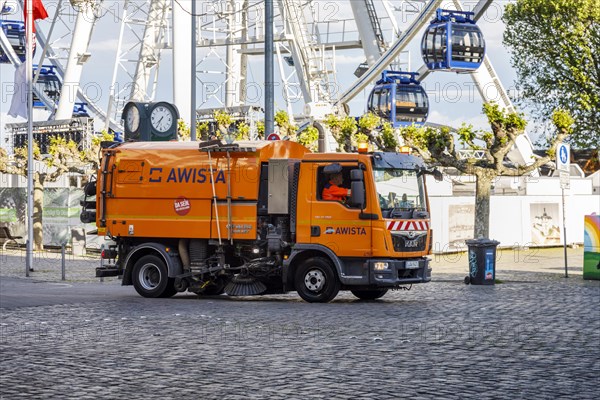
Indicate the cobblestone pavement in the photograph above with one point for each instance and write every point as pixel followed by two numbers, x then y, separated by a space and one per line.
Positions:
pixel 536 335
pixel 47 264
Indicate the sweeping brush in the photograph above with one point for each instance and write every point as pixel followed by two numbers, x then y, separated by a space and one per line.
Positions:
pixel 244 285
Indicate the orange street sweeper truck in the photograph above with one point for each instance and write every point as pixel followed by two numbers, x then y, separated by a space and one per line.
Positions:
pixel 249 219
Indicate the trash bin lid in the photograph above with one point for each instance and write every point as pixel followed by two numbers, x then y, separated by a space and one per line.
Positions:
pixel 481 242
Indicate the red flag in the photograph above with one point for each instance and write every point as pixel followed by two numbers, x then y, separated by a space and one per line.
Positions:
pixel 39 12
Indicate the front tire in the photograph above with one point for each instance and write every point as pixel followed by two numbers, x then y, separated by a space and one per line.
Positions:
pixel 151 278
pixel 316 281
pixel 369 294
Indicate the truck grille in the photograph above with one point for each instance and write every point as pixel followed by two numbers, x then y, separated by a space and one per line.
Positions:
pixel 405 243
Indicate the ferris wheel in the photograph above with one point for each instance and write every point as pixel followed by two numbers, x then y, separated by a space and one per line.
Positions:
pixel 104 53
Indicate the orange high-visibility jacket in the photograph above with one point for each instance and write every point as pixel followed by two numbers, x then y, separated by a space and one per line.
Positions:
pixel 333 192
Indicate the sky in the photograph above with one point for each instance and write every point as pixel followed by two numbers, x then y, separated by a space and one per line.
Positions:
pixel 453 98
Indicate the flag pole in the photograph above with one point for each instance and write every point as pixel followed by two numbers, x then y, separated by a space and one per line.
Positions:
pixel 29 67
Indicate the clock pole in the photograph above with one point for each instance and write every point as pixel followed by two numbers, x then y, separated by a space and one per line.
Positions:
pixel 193 115
pixel 269 89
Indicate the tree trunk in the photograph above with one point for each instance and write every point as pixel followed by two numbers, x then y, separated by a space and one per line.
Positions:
pixel 38 203
pixel 482 205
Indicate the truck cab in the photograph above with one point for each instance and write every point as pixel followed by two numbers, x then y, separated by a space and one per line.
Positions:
pixel 378 237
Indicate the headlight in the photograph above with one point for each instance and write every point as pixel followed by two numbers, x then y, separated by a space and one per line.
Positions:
pixel 380 266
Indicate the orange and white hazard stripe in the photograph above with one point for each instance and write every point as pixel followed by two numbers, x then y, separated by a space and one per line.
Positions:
pixel 407 225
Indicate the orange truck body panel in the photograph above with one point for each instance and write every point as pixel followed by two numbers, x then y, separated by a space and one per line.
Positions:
pixel 164 189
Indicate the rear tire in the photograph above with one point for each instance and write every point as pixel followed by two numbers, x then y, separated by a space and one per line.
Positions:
pixel 316 280
pixel 369 294
pixel 151 278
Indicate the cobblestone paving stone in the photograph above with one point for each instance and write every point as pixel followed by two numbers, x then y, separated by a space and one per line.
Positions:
pixel 535 336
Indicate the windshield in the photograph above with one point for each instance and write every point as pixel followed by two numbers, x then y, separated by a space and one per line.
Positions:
pixel 400 189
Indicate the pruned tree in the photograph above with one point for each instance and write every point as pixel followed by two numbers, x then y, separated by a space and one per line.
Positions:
pixel 555 49
pixel 260 128
pixel 63 157
pixel 309 137
pixel 286 128
pixel 224 121
pixel 243 131
pixel 368 129
pixel 343 129
pixel 183 131
pixel 202 130
pixel 486 152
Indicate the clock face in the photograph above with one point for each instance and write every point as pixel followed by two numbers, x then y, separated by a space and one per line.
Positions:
pixel 132 118
pixel 162 118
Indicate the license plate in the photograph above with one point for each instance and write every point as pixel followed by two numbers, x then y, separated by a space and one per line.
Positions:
pixel 412 265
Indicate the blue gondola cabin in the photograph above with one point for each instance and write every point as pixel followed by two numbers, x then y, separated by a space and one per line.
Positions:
pixel 399 98
pixel 49 83
pixel 15 33
pixel 453 42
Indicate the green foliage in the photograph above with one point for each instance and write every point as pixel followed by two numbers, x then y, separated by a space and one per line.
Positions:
pixel 384 139
pixel 103 136
pixel 3 160
pixel 183 130
pixel 361 138
pixel 498 117
pixel 368 122
pixel 223 120
pixel 282 118
pixel 59 146
pixel 243 131
pixel 343 130
pixel 390 143
pixel 555 46
pixel 348 126
pixel 20 157
pixel 286 128
pixel 563 121
pixel 260 128
pixel 202 130
pixel 309 137
pixel 467 135
pixel 333 122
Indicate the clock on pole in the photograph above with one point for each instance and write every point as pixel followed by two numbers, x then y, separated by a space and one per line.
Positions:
pixel 163 120
pixel 150 121
pixel 134 120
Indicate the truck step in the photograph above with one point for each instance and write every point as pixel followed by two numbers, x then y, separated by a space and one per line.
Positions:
pixel 102 272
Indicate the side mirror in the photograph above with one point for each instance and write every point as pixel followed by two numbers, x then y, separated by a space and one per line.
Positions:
pixel 357 175
pixel 357 198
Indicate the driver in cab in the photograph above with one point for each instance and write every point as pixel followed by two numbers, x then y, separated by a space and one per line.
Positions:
pixel 332 190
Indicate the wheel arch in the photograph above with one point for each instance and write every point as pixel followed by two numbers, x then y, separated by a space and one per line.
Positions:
pixel 302 253
pixel 166 253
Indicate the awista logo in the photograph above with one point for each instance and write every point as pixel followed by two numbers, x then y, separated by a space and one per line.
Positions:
pixel 345 230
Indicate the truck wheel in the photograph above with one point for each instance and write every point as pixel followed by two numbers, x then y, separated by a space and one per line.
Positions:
pixel 151 279
pixel 369 294
pixel 316 280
